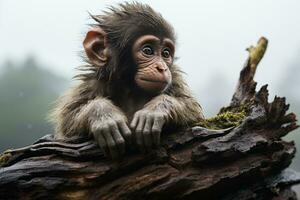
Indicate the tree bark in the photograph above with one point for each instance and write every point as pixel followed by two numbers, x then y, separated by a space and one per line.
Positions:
pixel 245 161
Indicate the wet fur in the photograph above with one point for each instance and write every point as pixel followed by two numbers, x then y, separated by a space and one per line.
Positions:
pixel 110 89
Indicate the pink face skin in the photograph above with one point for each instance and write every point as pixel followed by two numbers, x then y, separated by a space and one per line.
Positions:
pixel 154 57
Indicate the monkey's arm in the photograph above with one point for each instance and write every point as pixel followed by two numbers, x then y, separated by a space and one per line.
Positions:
pixel 176 106
pixel 108 125
pixel 181 111
pixel 98 117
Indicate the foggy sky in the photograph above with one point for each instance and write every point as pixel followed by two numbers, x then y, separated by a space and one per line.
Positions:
pixel 212 36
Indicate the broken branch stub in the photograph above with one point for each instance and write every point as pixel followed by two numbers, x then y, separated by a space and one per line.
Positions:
pixel 245 89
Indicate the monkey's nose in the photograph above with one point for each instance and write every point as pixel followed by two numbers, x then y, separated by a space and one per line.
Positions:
pixel 161 67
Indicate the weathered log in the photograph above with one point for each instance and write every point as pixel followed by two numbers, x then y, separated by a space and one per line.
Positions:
pixel 244 161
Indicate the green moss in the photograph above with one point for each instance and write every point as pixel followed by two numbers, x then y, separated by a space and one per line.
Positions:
pixel 227 117
pixel 256 53
pixel 4 158
pixel 238 109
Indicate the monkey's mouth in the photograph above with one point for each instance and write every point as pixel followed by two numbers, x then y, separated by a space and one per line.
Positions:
pixel 154 81
pixel 151 85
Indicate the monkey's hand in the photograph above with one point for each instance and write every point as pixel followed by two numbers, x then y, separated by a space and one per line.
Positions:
pixel 109 127
pixel 111 132
pixel 148 124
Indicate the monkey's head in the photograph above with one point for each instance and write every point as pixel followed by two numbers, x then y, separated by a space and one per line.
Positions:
pixel 134 44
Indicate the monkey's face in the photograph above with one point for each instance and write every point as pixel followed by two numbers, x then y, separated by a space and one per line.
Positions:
pixel 153 57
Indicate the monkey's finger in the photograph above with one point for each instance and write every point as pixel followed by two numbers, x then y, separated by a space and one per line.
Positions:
pixel 125 131
pixel 156 130
pixel 147 132
pixel 101 142
pixel 139 130
pixel 134 121
pixel 119 140
pixel 113 150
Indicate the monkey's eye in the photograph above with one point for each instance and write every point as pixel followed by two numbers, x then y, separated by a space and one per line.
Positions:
pixel 166 53
pixel 148 50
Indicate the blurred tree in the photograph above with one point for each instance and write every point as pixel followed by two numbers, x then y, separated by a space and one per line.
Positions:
pixel 26 94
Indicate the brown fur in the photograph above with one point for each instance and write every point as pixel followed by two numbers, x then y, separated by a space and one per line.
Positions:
pixel 108 90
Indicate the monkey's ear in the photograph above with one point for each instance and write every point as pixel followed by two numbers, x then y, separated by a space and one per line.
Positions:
pixel 96 46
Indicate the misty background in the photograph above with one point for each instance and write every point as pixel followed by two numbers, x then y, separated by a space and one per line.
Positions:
pixel 40 43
